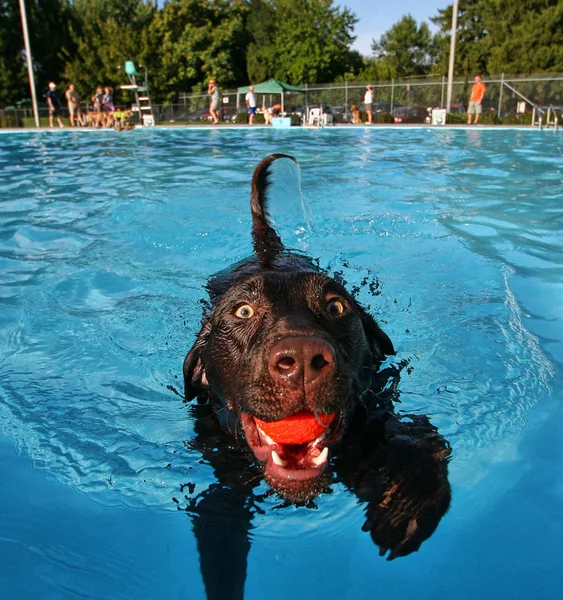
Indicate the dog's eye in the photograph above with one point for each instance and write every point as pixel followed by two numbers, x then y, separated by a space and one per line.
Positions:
pixel 244 312
pixel 336 307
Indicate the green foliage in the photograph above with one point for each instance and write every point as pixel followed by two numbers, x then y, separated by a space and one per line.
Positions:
pixel 510 36
pixel 197 40
pixel 511 119
pixel 385 118
pixel 261 50
pixel 12 67
pixel 105 34
pixel 472 43
pixel 311 40
pixel 374 69
pixel 241 118
pixel 296 120
pixel 259 119
pixel 30 122
pixel 185 42
pixel 489 118
pixel 456 118
pixel 530 38
pixel 49 35
pixel 10 120
pixel 524 119
pixel 407 47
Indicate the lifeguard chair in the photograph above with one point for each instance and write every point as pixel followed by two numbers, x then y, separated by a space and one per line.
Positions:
pixel 143 104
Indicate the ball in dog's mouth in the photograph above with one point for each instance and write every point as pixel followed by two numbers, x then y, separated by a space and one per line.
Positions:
pixel 294 449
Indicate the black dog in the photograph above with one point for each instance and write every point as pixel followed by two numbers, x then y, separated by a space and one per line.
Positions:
pixel 284 343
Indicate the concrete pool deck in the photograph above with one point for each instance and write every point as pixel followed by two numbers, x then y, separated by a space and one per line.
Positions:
pixel 228 126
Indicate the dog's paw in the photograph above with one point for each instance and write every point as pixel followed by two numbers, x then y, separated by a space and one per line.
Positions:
pixel 410 495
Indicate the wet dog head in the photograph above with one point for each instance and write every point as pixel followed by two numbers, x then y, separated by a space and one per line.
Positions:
pixel 287 352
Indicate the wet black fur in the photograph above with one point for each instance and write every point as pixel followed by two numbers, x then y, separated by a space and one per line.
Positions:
pixel 396 464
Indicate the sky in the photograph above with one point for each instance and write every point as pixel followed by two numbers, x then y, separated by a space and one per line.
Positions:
pixel 378 16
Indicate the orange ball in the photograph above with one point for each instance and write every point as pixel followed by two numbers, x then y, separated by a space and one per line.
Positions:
pixel 298 428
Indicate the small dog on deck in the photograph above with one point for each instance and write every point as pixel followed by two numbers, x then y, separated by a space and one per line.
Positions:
pixel 356 114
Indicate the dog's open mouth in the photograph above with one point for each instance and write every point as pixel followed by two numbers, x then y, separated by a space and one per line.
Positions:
pixel 293 449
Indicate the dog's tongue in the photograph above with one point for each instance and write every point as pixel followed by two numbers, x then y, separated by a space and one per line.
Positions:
pixel 298 428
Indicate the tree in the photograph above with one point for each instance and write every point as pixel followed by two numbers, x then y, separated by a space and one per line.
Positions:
pixel 48 36
pixel 312 40
pixel 473 43
pixel 105 35
pixel 510 36
pixel 531 39
pixel 12 66
pixel 261 52
pixel 199 39
pixel 407 47
pixel 300 41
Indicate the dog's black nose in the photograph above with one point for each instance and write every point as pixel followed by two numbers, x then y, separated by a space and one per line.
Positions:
pixel 301 360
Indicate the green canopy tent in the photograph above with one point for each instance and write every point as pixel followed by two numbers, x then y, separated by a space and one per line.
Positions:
pixel 272 86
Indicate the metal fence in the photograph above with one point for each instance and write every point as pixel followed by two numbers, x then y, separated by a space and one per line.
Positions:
pixel 503 95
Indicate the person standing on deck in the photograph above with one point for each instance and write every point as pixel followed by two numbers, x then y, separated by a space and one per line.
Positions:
pixel 368 101
pixel 73 101
pixel 250 100
pixel 54 105
pixel 215 93
pixel 478 90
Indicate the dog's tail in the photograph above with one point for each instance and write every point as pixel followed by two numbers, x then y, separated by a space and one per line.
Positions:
pixel 267 242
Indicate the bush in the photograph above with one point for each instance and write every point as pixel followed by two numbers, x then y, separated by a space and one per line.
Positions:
pixel 259 119
pixel 456 118
pixel 241 118
pixel 517 119
pixel 510 120
pixel 295 120
pixel 385 118
pixel 525 119
pixel 489 118
pixel 11 119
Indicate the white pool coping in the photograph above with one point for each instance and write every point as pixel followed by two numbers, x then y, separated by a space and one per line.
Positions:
pixel 378 127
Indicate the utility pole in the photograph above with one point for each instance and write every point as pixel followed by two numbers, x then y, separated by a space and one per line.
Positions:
pixel 452 55
pixel 29 59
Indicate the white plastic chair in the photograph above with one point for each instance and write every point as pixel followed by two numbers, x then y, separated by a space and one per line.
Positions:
pixel 315 115
pixel 318 117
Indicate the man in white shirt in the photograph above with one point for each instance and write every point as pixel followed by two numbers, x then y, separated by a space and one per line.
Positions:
pixel 368 101
pixel 250 100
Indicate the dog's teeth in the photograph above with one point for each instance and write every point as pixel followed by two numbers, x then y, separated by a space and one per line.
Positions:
pixel 321 458
pixel 265 438
pixel 319 439
pixel 278 460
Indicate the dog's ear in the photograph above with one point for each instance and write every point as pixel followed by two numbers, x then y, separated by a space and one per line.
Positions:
pixel 379 342
pixel 195 379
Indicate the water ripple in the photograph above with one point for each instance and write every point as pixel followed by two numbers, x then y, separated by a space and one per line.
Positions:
pixel 106 241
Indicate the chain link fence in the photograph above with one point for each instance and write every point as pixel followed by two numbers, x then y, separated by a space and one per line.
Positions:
pixel 506 94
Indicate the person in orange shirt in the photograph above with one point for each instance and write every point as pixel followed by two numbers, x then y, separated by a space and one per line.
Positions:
pixel 478 90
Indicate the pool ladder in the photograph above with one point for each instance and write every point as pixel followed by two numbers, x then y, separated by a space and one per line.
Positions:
pixel 551 118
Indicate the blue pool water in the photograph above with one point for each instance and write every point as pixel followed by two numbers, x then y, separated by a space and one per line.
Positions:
pixel 106 241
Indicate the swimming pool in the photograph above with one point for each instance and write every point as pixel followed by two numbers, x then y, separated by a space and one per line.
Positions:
pixel 105 243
